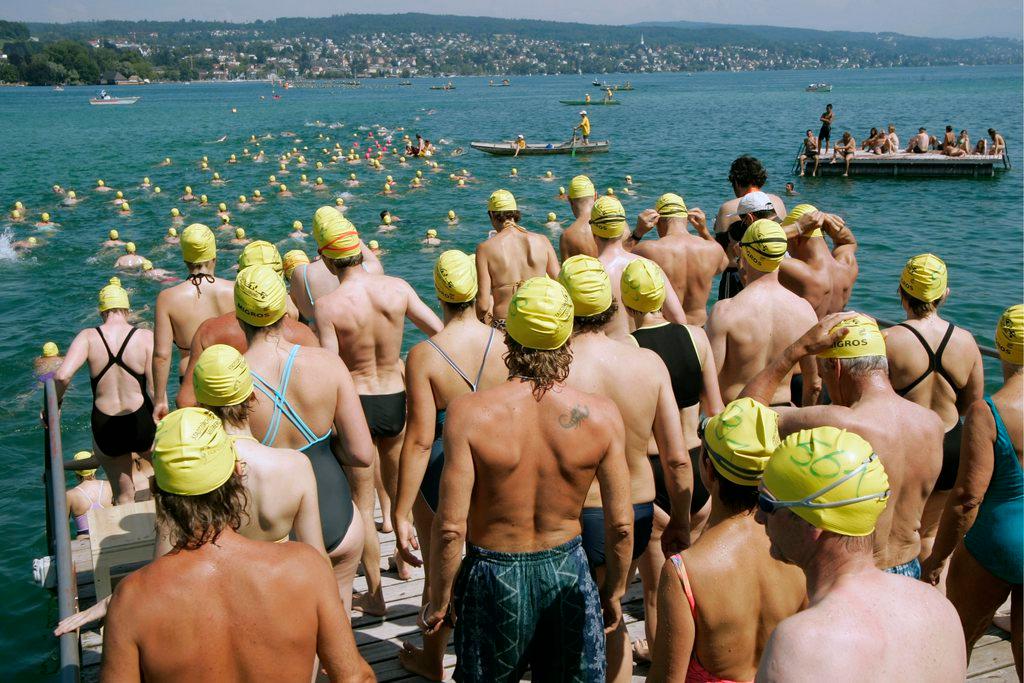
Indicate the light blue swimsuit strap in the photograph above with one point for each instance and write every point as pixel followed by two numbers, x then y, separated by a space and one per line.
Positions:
pixel 305 281
pixel 283 407
pixel 472 385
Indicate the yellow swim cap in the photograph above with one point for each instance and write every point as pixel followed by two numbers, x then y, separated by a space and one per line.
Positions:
pixel 763 245
pixel 114 235
pixel 188 189
pixel 172 232
pixel 239 233
pixel 45 216
pixel 221 377
pixel 156 190
pixel 740 439
pixel 863 339
pixel 296 225
pixel 33 241
pixel 319 180
pixel 351 176
pixel 581 186
pixel 548 174
pixel 260 253
pixel 587 282
pixel 241 199
pixel 455 277
pixel 501 200
pixel 84 455
pixel 669 205
pixel 431 233
pixel 419 174
pixel 390 179
pixel 339 201
pixel 610 192
pixel 387 219
pixel 19 206
pixel 129 248
pixel 830 477
pixel 203 199
pixel 119 194
pixel 198 244
pixel 147 264
pixel 175 212
pixel 222 207
pixel 99 183
pixel 71 194
pixel 797 212
pixel 113 297
pixel 643 286
pixel 282 188
pixel 116 281
pixel 257 193
pixel 260 296
pixel 15 214
pixel 125 207
pixel 451 215
pixel 50 350
pixel 374 244
pixel 192 454
pixel 608 219
pixel 335 235
pixel 1010 335
pixel 540 314
pixel 561 190
pixel 552 217
pixel 924 278
pixel 292 260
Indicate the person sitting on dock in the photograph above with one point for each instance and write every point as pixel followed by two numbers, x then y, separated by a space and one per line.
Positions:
pixel 963 141
pixel 295 616
pixel 892 140
pixel 846 148
pixel 950 147
pixel 810 151
pixel 998 143
pixel 875 142
pixel 919 143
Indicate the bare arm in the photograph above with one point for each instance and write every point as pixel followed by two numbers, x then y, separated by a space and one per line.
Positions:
pixel 645 222
pixel 844 244
pixel 673 308
pixel 420 314
pixel 676 630
pixel 78 354
pixel 121 660
pixel 186 392
pixel 613 480
pixel 718 333
pixel 371 263
pixel 353 432
pixel 306 525
pixel 811 384
pixel 974 389
pixel 325 329
pixel 484 298
pixel 710 393
pixel 668 435
pixel 335 643
pixel 553 266
pixel 163 339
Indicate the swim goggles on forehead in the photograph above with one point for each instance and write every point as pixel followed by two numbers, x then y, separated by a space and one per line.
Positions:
pixel 769 504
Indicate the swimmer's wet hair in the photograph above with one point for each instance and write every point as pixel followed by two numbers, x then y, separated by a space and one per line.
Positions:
pixel 734 497
pixel 594 323
pixel 921 308
pixel 542 368
pixel 747 171
pixel 252 330
pixel 862 365
pixel 193 521
pixel 502 216
pixel 236 415
pixel 348 262
pixel 457 307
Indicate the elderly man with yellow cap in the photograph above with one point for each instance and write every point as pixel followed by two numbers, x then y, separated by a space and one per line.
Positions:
pixel 690 262
pixel 464 357
pixel 181 309
pixel 936 365
pixel 723 596
pixel 577 238
pixel 363 322
pixel 129 260
pixel 982 525
pixel 638 383
pixel 510 257
pixel 823 494
pixel 293 617
pixel 608 225
pixel 305 400
pixel 519 461
pixel 850 352
pixel 822 276
pixel 119 356
pixel 750 329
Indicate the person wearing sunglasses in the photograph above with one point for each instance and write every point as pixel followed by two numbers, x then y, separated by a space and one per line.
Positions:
pixel 720 599
pixel 822 495
pixel 851 358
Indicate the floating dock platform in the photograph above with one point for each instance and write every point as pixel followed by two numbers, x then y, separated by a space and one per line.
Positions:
pixel 902 164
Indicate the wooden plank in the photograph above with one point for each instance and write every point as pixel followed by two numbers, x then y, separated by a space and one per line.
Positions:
pixel 989 658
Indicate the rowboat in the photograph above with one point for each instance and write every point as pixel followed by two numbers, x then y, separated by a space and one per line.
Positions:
pixel 819 87
pixel 592 103
pixel 113 100
pixel 446 86
pixel 508 148
pixel 614 86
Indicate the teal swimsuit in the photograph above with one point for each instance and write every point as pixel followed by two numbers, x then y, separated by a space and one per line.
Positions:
pixel 334 497
pixel 996 540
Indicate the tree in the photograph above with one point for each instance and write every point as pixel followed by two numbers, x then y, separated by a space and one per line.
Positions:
pixel 9 73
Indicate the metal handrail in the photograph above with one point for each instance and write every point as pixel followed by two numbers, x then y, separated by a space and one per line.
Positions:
pixel 985 350
pixel 58 533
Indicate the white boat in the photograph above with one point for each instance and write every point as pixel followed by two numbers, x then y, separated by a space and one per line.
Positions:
pixel 107 98
pixel 819 87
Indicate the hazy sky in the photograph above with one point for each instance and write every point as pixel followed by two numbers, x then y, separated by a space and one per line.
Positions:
pixel 934 18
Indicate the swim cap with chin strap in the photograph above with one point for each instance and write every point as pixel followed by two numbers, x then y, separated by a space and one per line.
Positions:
pixel 198 244
pixel 587 282
pixel 501 200
pixel 863 339
pixel 192 454
pixel 643 285
pixel 763 245
pixel 608 218
pixel 113 297
pixel 84 455
pixel 740 439
pixel 221 377
pixel 831 478
pixel 799 211
pixel 540 314
pixel 292 260
pixel 670 205
pixel 455 277
pixel 261 253
pixel 260 296
pixel 924 278
pixel 1010 335
pixel 335 235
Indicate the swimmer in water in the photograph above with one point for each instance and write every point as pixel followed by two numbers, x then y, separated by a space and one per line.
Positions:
pixel 172 236
pixel 257 197
pixel 548 176
pixel 240 237
pixel 297 232
pixel 165 162
pixel 791 190
pixel 339 204
pixel 217 180
pixel 561 193
pixel 118 198
pixel 233 159
pixel 283 191
pixel 222 210
pixel 431 239
pixel 387 223
pixel 26 245
pixel 129 259
pixel 243 202
pixel 101 186
pixel 374 246
pixel 320 185
pixel 453 218
pixel 45 222
pixel 45 365
pixel 187 196
pixel 352 181
pixel 225 223
pixel 57 189
pixel 145 184
pixel 113 240
pixel 157 274
pixel 176 216
pixel 553 224
pixel 303 180
pixel 71 199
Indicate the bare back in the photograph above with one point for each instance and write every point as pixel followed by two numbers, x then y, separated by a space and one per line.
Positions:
pixel 117 392
pixel 816 275
pixel 508 259
pixel 186 308
pixel 278 482
pixel 464 346
pixel 310 283
pixel 577 239
pixel 690 264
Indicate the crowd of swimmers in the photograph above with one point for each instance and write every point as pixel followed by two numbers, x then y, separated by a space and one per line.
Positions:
pixel 884 140
pixel 803 496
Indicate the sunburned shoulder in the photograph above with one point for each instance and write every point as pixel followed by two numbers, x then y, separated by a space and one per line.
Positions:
pixel 813 646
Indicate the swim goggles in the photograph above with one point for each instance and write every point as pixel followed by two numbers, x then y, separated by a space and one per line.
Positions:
pixel 769 504
pixel 721 463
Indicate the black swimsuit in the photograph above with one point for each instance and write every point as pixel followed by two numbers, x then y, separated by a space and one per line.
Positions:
pixel 117 435
pixel 951 441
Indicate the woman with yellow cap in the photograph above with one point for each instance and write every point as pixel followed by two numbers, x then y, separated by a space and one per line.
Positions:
pixel 706 633
pixel 122 411
pixel 982 526
pixel 936 365
pixel 462 358
pixel 89 494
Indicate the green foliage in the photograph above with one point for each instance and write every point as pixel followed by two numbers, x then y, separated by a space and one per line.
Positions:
pixel 13 30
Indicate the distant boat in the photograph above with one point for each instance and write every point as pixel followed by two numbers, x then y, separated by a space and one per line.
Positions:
pixel 613 86
pixel 507 149
pixel 405 83
pixel 107 98
pixel 58 88
pixel 819 87
pixel 591 103
pixel 447 86
pixel 504 84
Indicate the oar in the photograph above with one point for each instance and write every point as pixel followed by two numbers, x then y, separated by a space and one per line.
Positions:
pixel 573 145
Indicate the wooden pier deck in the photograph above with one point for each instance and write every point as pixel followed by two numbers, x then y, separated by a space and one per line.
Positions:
pixel 380 639
pixel 909 165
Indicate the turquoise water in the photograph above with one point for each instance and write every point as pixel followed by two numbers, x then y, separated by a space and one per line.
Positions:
pixel 674 133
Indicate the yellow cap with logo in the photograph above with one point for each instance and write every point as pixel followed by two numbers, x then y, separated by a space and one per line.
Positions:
pixel 863 339
pixel 501 200
pixel 292 260
pixel 221 377
pixel 198 244
pixel 924 278
pixel 608 218
pixel 831 478
pixel 740 439
pixel 581 186
pixel 84 455
pixel 797 213
pixel 669 205
pixel 192 454
pixel 763 245
pixel 335 235
pixel 260 296
pixel 643 285
pixel 455 277
pixel 113 297
pixel 588 284
pixel 540 314
pixel 1010 335
pixel 261 253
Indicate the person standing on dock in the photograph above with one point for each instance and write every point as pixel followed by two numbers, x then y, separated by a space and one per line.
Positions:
pixel 825 133
pixel 577 238
pixel 195 598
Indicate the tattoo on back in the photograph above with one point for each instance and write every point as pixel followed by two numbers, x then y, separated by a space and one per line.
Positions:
pixel 575 417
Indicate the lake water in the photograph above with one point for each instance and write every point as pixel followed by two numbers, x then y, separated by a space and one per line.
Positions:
pixel 673 133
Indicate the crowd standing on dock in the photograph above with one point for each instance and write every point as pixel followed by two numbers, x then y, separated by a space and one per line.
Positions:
pixel 778 470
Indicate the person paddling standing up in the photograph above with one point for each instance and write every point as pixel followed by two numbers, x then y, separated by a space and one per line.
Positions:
pixel 583 126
